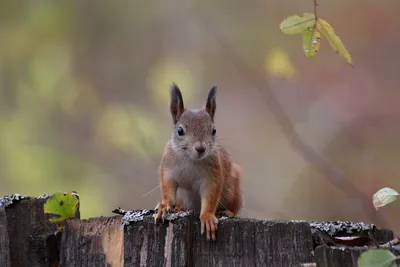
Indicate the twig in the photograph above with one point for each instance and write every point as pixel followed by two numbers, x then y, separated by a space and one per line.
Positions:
pixel 315 14
pixel 391 243
pixel 315 8
pixel 119 211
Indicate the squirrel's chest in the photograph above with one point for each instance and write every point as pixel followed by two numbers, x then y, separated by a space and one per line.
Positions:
pixel 189 176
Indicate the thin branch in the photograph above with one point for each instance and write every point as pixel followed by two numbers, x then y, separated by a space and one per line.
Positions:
pixel 315 14
pixel 315 8
pixel 119 211
pixel 391 243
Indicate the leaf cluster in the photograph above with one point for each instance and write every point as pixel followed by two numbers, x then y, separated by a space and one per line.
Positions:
pixel 311 28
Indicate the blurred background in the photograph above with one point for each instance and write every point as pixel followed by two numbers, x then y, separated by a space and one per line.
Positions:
pixel 84 91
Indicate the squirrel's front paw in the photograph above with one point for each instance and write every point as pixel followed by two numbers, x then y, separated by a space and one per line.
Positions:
pixel 177 209
pixel 226 213
pixel 209 223
pixel 162 211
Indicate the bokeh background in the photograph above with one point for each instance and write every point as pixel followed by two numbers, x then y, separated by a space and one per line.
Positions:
pixel 84 101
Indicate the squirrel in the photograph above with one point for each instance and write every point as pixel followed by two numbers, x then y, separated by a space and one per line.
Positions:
pixel 196 172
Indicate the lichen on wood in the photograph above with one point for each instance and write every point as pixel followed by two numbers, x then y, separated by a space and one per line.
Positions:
pixel 6 201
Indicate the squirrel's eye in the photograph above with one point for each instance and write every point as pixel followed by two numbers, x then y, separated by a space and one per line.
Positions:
pixel 180 131
pixel 214 131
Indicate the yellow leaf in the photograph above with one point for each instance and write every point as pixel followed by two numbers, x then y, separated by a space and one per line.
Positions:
pixel 296 24
pixel 327 30
pixel 311 42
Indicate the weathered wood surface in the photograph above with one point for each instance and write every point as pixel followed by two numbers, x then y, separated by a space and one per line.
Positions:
pixel 92 242
pixel 341 256
pixel 148 244
pixel 27 239
pixel 240 242
pixel 31 239
pixel 4 240
pixel 337 256
pixel 28 229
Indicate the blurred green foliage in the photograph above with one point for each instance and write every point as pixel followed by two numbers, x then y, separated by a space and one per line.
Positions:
pixel 55 127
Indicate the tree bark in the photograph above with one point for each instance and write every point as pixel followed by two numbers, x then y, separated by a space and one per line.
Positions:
pixel 342 256
pixel 28 230
pixel 4 241
pixel 240 242
pixel 92 242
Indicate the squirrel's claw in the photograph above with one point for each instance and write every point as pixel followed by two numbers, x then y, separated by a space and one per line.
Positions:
pixel 158 206
pixel 209 224
pixel 162 212
pixel 226 213
pixel 177 209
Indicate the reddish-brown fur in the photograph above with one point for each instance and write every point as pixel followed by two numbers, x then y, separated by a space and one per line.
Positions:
pixel 215 178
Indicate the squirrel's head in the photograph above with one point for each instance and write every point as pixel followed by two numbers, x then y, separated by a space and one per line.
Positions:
pixel 193 129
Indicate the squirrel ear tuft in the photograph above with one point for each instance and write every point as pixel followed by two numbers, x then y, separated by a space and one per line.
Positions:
pixel 176 103
pixel 211 104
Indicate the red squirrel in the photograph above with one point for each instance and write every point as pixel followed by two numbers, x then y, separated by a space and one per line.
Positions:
pixel 196 172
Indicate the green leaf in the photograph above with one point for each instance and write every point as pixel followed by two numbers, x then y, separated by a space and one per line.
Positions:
pixel 377 258
pixel 327 30
pixel 64 205
pixel 311 42
pixel 383 197
pixel 296 24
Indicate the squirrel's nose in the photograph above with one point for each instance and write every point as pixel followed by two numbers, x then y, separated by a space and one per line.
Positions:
pixel 201 149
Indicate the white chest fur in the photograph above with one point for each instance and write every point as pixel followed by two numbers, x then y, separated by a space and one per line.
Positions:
pixel 190 175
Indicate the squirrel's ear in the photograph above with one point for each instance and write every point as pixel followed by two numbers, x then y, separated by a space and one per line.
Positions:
pixel 211 104
pixel 176 102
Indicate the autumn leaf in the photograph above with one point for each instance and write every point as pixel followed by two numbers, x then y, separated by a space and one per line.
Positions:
pixel 64 205
pixel 336 43
pixel 311 42
pixel 296 24
pixel 383 197
pixel 377 258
